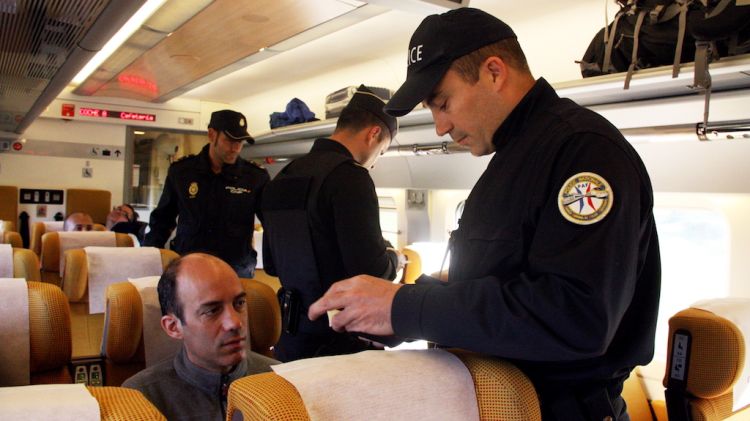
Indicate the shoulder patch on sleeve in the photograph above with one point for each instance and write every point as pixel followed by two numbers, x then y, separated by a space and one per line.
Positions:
pixel 585 198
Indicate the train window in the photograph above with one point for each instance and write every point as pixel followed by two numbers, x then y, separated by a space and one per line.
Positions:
pixel 695 250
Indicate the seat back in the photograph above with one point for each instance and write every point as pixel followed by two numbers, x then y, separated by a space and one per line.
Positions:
pixel 503 392
pixel 413 267
pixel 707 367
pixel 96 203
pixel 123 343
pixel 40 228
pixel 26 265
pixel 271 281
pixel 75 278
pixel 50 255
pixel 49 333
pixel 9 206
pixel 11 237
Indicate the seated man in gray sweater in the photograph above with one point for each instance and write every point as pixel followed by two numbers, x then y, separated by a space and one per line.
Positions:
pixel 203 304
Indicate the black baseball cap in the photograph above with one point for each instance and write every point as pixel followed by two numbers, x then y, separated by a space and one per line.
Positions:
pixel 437 42
pixel 365 99
pixel 232 123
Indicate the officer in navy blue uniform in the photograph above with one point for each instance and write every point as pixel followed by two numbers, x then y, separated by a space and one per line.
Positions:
pixel 321 224
pixel 555 263
pixel 216 195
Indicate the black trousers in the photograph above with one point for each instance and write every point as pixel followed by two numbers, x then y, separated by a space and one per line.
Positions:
pixel 595 402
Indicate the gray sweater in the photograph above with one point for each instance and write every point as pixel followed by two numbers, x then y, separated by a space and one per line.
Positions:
pixel 183 391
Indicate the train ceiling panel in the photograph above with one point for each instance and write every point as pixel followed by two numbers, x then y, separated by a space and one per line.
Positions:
pixel 158 62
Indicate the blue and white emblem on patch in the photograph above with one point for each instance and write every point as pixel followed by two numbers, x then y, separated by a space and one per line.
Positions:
pixel 585 198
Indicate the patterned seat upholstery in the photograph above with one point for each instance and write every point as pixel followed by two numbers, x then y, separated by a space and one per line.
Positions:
pixel 123 343
pixel 503 393
pixel 707 358
pixel 49 332
pixel 121 404
pixel 26 265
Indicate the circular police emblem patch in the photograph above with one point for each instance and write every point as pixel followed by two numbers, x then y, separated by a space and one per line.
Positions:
pixel 193 189
pixel 585 198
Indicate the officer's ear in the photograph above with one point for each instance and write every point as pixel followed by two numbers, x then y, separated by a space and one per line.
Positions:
pixel 374 135
pixel 213 135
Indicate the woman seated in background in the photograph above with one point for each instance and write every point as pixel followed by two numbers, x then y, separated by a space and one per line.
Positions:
pixel 124 219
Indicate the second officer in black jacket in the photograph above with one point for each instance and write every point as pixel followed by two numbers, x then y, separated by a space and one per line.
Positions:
pixel 216 196
pixel 321 224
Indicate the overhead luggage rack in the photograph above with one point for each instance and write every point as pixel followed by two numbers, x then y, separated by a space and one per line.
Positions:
pixel 605 94
pixel 726 74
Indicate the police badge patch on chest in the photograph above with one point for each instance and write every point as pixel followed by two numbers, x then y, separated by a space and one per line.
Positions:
pixel 585 198
pixel 193 189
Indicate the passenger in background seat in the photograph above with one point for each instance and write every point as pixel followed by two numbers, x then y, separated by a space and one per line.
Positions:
pixel 203 304
pixel 78 221
pixel 124 219
pixel 555 263
pixel 216 195
pixel 321 224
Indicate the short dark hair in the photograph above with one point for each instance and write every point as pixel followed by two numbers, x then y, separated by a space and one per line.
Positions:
pixel 355 119
pixel 509 50
pixel 167 289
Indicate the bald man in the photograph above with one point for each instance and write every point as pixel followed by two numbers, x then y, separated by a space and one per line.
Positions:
pixel 78 221
pixel 203 304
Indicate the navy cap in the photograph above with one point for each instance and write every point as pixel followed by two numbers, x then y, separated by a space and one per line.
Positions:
pixel 366 100
pixel 437 42
pixel 232 123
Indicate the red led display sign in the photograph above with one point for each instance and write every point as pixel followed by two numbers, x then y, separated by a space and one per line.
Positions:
pixel 122 115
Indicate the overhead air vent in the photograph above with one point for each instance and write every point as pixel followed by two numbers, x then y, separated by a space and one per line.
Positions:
pixel 42 44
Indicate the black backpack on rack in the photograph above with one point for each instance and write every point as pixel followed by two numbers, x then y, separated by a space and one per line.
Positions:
pixel 644 33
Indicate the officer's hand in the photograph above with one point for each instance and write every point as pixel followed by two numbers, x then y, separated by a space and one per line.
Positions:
pixel 364 303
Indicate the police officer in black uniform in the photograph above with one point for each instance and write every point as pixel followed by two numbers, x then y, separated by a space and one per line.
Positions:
pixel 321 224
pixel 555 262
pixel 216 196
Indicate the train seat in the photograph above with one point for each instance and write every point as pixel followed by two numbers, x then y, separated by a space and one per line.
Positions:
pixel 26 265
pixel 40 228
pixel 51 255
pixel 413 268
pixel 76 402
pixel 707 361
pixel 18 263
pixel 124 343
pixel 263 277
pixel 46 334
pixel 502 392
pixel 13 238
pixel 96 203
pixel 115 264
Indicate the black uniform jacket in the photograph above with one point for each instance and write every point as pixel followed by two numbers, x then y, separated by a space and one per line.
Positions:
pixel 345 225
pixel 567 302
pixel 321 225
pixel 216 211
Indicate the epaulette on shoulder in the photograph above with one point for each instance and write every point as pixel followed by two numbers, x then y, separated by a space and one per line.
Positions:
pixel 183 158
pixel 255 164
